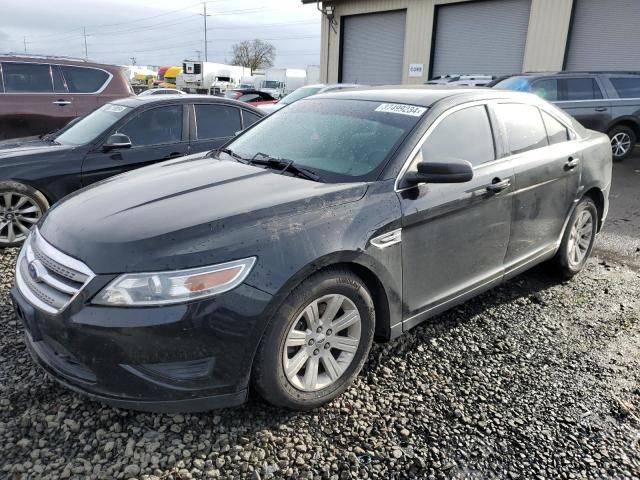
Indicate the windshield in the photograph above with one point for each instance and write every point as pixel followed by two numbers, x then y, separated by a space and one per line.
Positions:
pixel 520 84
pixel 270 84
pixel 87 129
pixel 341 140
pixel 299 94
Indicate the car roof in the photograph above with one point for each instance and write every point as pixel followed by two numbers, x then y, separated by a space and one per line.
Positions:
pixel 136 101
pixel 425 95
pixel 567 73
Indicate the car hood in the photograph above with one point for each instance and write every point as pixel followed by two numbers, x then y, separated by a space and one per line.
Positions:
pixel 183 213
pixel 29 146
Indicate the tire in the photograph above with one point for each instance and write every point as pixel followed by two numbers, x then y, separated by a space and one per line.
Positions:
pixel 569 263
pixel 326 289
pixel 21 206
pixel 623 141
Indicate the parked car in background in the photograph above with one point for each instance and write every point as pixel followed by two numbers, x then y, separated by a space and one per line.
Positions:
pixel 117 137
pixel 39 94
pixel 304 92
pixel 466 80
pixel 608 102
pixel 161 91
pixel 253 97
pixel 275 261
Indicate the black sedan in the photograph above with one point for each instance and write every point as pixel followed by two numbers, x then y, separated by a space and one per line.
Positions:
pixel 36 172
pixel 277 260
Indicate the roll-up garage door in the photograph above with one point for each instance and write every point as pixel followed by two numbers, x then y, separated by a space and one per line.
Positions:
pixel 487 36
pixel 373 48
pixel 605 35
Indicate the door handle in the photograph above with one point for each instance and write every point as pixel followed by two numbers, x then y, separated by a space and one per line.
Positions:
pixel 62 103
pixel 498 185
pixel 173 155
pixel 571 163
pixel 601 109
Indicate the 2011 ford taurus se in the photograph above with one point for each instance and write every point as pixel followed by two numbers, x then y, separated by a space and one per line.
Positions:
pixel 275 261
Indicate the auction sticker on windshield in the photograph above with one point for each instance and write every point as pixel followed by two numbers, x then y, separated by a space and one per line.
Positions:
pixel 401 109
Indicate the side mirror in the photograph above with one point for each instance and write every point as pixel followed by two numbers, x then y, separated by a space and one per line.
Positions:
pixel 446 171
pixel 117 140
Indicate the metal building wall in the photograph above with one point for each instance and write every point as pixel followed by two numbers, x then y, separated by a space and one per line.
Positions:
pixel 545 47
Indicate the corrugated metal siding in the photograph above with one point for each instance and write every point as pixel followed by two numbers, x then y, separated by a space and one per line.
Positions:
pixel 605 36
pixel 481 37
pixel 547 36
pixel 373 48
pixel 548 26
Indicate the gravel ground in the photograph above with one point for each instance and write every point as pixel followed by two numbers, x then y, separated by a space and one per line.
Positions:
pixel 535 379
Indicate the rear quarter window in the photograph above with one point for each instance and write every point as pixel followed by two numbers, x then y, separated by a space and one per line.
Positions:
pixel 627 87
pixel 84 79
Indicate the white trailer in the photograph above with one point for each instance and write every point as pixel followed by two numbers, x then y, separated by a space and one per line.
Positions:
pixel 279 82
pixel 210 78
pixel 313 74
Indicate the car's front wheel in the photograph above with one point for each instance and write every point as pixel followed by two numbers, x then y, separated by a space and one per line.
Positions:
pixel 21 206
pixel 578 239
pixel 317 343
pixel 623 140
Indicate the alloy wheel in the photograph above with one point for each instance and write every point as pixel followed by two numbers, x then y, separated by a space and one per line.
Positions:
pixel 18 213
pixel 620 144
pixel 321 343
pixel 580 238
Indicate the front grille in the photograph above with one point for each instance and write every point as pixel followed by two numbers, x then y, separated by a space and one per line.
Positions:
pixel 48 278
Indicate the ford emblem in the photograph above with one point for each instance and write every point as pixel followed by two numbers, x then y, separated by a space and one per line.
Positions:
pixel 35 270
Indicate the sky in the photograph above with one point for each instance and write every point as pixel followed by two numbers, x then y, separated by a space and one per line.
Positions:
pixel 159 32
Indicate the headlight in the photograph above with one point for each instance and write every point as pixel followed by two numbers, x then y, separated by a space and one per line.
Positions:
pixel 163 288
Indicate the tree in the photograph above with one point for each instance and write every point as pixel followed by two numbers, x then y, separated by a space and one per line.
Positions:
pixel 253 54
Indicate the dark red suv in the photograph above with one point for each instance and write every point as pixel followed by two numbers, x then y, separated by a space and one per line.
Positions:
pixel 39 94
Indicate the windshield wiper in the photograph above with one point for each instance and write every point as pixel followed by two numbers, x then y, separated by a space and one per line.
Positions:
pixel 285 166
pixel 232 154
pixel 49 137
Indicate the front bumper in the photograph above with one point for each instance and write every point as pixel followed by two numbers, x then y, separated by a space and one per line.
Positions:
pixel 176 358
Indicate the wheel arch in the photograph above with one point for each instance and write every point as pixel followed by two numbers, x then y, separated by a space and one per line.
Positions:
pixel 366 268
pixel 626 121
pixel 597 196
pixel 46 194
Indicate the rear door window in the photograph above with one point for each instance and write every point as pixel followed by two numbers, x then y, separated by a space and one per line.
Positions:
pixel 158 126
pixel 523 126
pixel 546 88
pixel 27 78
pixel 83 79
pixel 217 121
pixel 627 87
pixel 579 89
pixel 556 131
pixel 464 135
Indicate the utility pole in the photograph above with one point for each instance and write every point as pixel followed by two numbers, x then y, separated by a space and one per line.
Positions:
pixel 84 34
pixel 25 44
pixel 133 60
pixel 204 4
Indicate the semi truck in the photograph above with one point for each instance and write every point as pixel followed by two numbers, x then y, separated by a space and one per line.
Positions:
pixel 210 78
pixel 279 82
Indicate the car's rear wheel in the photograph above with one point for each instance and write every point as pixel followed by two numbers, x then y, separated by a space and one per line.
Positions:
pixel 21 206
pixel 317 343
pixel 623 140
pixel 578 239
